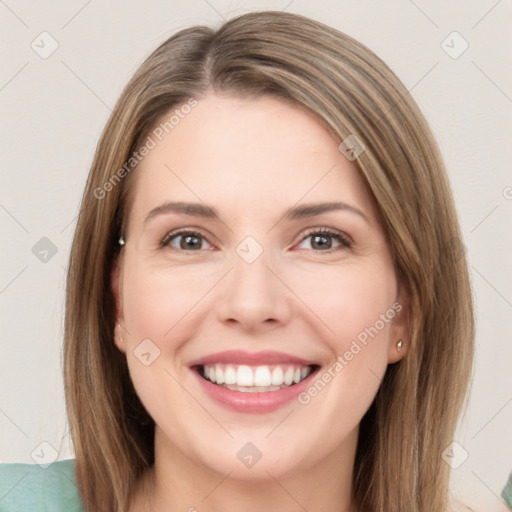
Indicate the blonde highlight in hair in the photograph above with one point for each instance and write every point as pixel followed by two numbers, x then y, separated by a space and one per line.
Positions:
pixel 398 464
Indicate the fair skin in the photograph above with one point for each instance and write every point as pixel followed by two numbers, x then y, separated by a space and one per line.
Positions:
pixel 251 160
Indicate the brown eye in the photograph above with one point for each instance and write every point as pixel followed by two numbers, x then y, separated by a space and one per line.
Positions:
pixel 185 241
pixel 322 240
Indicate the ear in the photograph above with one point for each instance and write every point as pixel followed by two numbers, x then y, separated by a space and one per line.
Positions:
pixel 400 327
pixel 116 285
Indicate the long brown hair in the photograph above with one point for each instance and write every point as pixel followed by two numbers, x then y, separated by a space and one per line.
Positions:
pixel 398 463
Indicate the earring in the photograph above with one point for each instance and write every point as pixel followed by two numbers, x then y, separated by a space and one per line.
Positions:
pixel 399 345
pixel 121 240
pixel 121 341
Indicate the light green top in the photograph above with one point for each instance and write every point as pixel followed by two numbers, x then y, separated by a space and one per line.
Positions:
pixel 35 488
pixel 507 492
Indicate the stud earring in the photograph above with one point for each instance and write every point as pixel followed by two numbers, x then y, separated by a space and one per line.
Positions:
pixel 121 341
pixel 121 241
pixel 399 345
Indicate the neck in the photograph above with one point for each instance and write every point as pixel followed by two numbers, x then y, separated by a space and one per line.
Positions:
pixel 176 482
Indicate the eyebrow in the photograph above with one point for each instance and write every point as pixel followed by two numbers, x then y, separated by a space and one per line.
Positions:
pixel 294 213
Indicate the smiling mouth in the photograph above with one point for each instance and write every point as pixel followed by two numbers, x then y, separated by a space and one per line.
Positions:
pixel 255 379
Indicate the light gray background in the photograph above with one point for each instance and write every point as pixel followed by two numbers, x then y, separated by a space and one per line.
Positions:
pixel 52 112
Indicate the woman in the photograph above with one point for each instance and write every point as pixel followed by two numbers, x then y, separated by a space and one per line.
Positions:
pixel 267 304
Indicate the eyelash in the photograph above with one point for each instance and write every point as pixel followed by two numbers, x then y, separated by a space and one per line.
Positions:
pixel 344 240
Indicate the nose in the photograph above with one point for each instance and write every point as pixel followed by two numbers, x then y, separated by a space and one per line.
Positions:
pixel 253 297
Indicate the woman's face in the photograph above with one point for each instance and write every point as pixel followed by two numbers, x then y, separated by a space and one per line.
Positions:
pixel 256 285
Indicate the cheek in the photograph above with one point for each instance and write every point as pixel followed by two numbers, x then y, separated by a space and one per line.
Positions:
pixel 149 310
pixel 157 301
pixel 155 305
pixel 350 301
pixel 357 306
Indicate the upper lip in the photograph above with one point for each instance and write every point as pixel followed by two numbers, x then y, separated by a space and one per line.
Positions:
pixel 238 357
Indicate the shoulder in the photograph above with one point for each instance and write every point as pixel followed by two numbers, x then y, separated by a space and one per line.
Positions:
pixel 35 488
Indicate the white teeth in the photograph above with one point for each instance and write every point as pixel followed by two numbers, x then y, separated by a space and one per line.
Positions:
pixel 244 376
pixel 262 376
pixel 229 375
pixel 277 376
pixel 219 375
pixel 288 376
pixel 252 379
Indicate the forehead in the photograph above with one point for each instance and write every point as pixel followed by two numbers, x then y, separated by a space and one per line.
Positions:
pixel 243 155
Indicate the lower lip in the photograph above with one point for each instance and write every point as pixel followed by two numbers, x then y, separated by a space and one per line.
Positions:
pixel 255 403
